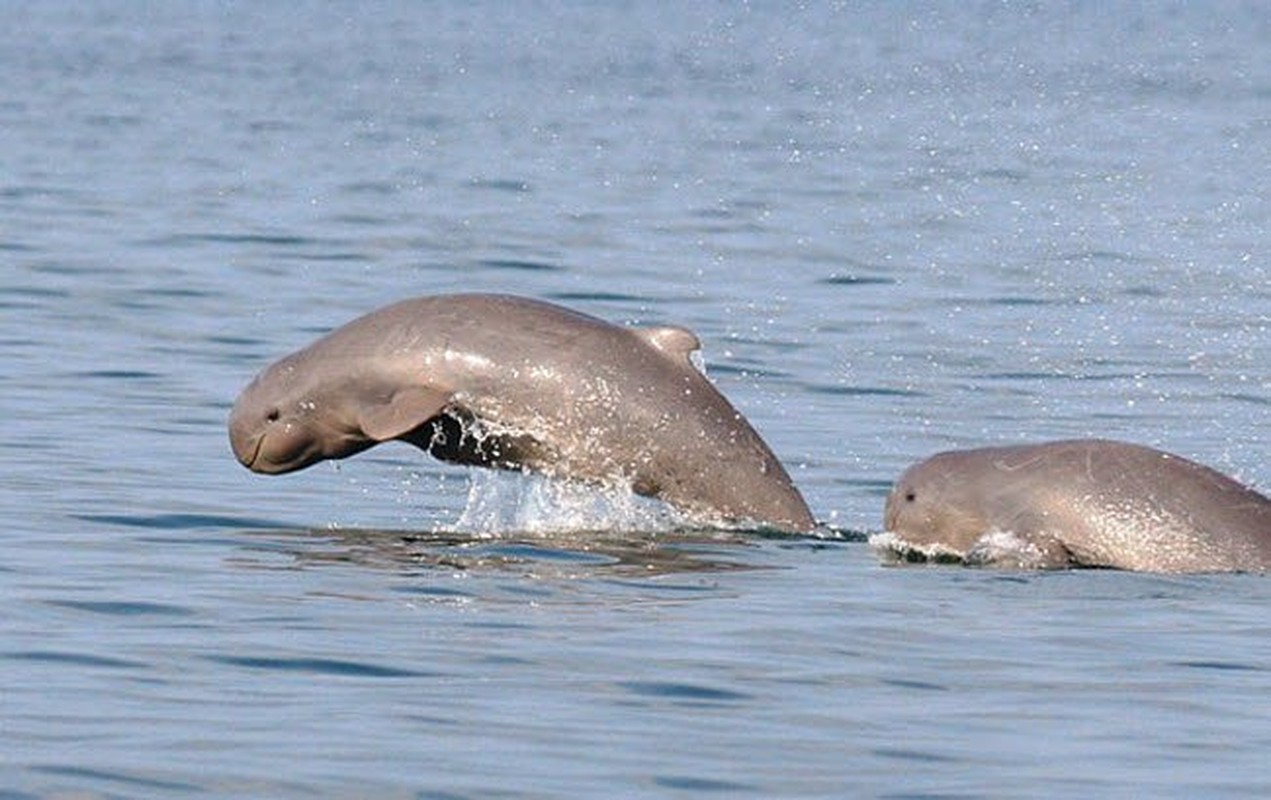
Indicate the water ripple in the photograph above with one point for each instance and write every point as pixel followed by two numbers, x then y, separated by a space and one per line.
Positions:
pixel 119 777
pixel 683 692
pixel 1221 666
pixel 321 666
pixel 861 391
pixel 596 297
pixel 685 783
pixel 180 521
pixel 520 265
pixel 857 280
pixel 123 608
pixel 74 659
pixel 912 755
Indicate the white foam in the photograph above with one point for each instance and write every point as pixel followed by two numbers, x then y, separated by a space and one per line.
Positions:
pixel 1005 549
pixel 997 548
pixel 893 549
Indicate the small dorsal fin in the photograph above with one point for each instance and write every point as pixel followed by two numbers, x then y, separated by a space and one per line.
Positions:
pixel 671 340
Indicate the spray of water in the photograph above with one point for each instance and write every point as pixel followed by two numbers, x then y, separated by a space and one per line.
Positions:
pixel 500 502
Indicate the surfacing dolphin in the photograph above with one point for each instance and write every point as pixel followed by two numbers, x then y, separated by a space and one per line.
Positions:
pixel 1087 502
pixel 513 383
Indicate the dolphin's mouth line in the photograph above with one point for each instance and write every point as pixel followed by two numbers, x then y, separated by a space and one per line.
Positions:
pixel 250 461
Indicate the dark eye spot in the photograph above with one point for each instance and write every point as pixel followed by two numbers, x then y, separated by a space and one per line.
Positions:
pixel 910 497
pixel 272 415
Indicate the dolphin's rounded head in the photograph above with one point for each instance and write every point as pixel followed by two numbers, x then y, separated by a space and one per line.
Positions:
pixel 935 502
pixel 289 417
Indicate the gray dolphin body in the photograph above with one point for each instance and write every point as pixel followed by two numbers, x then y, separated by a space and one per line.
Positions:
pixel 1082 503
pixel 508 382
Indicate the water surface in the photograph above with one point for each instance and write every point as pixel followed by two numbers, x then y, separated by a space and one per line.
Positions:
pixel 896 229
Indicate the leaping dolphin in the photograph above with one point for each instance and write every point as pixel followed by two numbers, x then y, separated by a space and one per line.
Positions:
pixel 514 383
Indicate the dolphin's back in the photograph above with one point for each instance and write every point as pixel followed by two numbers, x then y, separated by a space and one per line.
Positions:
pixel 1133 507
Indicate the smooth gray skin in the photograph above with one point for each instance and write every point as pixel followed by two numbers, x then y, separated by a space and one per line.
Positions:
pixel 513 383
pixel 1085 502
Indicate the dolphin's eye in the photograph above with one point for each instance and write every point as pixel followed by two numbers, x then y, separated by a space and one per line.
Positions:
pixel 272 415
pixel 910 497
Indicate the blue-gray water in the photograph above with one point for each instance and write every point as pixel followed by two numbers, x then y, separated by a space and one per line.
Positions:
pixel 898 228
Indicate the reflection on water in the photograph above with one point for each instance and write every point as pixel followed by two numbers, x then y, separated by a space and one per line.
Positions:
pixel 559 555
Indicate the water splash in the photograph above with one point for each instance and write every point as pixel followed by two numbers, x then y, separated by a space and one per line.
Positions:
pixel 500 501
pixel 1006 549
pixel 894 550
pixel 1000 549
